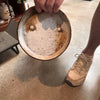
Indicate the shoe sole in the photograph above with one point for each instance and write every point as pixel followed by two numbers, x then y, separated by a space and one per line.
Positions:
pixel 69 83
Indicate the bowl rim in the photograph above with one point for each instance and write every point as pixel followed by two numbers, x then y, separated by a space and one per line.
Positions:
pixel 45 58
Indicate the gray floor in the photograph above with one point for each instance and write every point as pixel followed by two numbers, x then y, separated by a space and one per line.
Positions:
pixel 24 78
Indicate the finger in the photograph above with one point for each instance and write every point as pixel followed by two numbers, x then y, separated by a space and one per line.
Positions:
pixel 42 4
pixel 37 6
pixel 57 5
pixel 38 9
pixel 49 5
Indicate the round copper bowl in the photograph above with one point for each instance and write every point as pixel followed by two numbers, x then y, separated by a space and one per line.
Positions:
pixel 58 20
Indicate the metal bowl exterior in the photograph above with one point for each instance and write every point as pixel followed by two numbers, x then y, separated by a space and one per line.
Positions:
pixel 30 12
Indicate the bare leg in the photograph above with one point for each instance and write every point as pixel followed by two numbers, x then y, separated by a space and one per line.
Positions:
pixel 94 39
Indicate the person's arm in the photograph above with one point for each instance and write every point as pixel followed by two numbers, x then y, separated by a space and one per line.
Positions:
pixel 48 5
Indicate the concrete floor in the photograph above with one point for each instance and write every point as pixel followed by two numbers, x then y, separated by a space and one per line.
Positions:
pixel 24 78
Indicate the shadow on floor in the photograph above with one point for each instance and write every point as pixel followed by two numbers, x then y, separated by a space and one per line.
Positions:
pixel 50 73
pixel 26 68
pixel 7 55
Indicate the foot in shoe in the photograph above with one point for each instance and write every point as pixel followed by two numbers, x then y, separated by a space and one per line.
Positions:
pixel 79 70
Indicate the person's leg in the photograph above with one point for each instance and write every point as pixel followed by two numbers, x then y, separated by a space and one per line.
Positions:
pixel 79 70
pixel 94 39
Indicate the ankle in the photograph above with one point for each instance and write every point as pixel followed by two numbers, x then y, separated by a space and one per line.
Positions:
pixel 88 52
